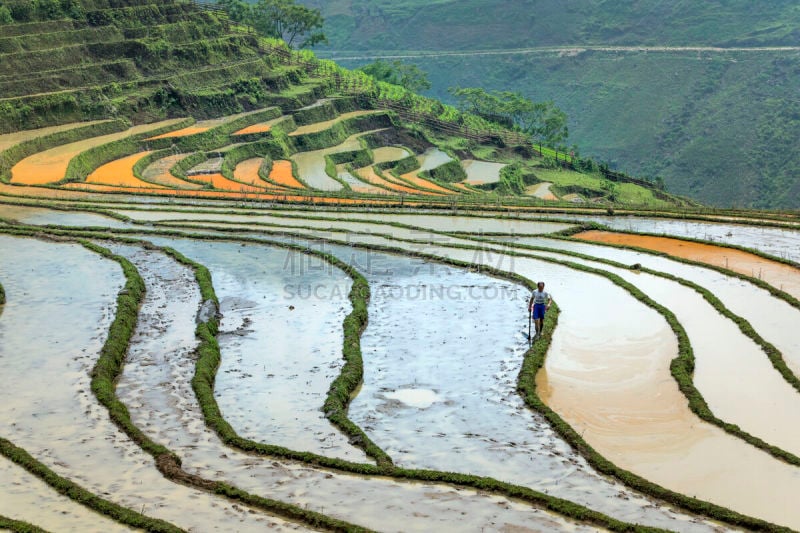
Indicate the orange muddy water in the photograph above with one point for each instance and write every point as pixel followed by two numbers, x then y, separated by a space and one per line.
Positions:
pixel 779 275
pixel 247 172
pixel 255 128
pixel 120 173
pixel 183 132
pixel 218 181
pixel 369 175
pixel 424 184
pixel 282 174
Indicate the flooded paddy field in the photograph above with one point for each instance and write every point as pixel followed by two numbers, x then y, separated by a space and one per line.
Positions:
pixel 773 506
pixel 53 327
pixel 439 386
pixel 39 216
pixel 163 404
pixel 481 172
pixel 24 496
pixel 778 326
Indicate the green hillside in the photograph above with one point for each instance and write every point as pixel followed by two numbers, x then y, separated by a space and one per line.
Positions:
pixel 132 58
pixel 139 61
pixel 720 126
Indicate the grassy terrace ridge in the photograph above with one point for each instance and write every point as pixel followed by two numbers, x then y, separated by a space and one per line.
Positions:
pixel 18 526
pixel 209 352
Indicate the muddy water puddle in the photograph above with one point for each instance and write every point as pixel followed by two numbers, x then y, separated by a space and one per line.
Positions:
pixel 432 158
pixel 40 216
pixel 384 154
pixel 25 497
pixel 774 319
pixel 379 503
pixel 52 328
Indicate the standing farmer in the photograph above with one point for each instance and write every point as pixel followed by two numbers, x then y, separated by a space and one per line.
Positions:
pixel 539 303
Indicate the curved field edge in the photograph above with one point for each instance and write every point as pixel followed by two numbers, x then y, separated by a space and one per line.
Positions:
pixel 18 526
pixel 79 494
pixel 169 464
pixel 108 368
pixel 2 294
pixel 685 357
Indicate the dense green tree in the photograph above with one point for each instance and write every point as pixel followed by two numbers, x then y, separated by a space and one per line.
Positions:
pixel 542 121
pixel 282 19
pixel 409 76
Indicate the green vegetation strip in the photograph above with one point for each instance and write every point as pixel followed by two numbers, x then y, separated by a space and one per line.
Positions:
pixel 18 526
pixel 209 359
pixel 2 294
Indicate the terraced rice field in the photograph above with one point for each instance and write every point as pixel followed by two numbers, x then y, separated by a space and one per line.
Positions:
pixel 50 166
pixel 235 358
